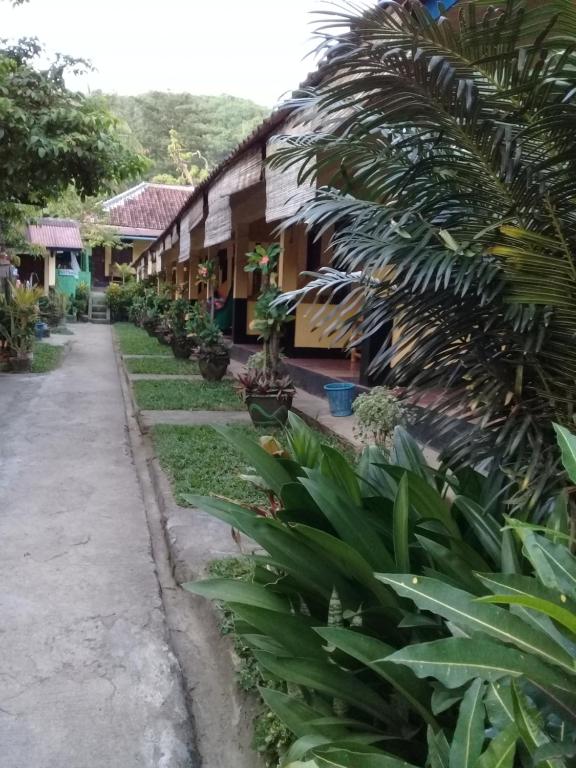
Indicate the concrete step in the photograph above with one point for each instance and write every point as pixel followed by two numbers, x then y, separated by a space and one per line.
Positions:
pixel 99 321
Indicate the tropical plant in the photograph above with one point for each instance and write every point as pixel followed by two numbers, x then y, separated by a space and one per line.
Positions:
pixel 207 276
pixel 354 649
pixel 53 307
pixel 450 147
pixel 53 137
pixel 124 271
pixel 19 314
pixel 377 413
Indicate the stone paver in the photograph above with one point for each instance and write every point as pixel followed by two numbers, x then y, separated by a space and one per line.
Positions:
pixel 87 679
pixel 164 376
pixel 148 419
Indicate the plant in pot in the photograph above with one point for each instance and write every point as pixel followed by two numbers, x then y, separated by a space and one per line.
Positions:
pixel 267 391
pixel 19 315
pixel 213 355
pixel 207 276
pixel 181 342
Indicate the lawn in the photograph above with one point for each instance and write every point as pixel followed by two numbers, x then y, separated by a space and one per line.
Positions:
pixel 179 395
pixel 135 341
pixel 198 460
pixel 46 357
pixel 167 366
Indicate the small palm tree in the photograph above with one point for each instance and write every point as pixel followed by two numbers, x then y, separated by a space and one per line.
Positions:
pixel 124 271
pixel 451 152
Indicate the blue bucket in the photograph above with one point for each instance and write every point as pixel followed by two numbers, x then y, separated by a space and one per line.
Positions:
pixel 39 329
pixel 340 397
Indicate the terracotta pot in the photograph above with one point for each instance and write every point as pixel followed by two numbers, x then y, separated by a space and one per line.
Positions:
pixel 182 347
pixel 214 367
pixel 268 410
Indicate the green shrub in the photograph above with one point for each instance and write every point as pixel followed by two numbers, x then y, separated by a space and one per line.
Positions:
pixel 364 618
pixel 377 414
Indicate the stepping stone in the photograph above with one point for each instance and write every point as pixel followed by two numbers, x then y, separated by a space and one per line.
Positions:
pixel 140 357
pixel 164 376
pixel 149 419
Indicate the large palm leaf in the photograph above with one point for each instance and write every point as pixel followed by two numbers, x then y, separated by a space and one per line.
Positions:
pixel 451 160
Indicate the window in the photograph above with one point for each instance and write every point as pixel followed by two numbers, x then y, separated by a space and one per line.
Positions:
pixel 222 261
pixel 313 253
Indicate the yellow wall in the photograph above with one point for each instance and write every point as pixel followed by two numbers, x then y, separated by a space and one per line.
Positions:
pixel 107 260
pixel 138 248
pixel 311 320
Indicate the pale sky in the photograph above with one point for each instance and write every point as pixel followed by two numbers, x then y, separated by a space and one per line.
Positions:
pixel 249 48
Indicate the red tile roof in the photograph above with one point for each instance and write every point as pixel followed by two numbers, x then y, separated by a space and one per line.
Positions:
pixel 147 206
pixel 55 233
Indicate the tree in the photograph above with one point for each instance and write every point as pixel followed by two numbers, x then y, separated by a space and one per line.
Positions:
pixel 211 125
pixel 189 172
pixel 52 137
pixel 452 152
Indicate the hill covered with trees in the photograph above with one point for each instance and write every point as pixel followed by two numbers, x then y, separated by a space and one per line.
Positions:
pixel 178 130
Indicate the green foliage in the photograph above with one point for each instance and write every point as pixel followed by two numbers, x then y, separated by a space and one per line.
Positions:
pixel 46 358
pixel 441 666
pixel 53 307
pixel 18 315
pixel 211 126
pixel 135 341
pixel 187 395
pixel 52 137
pixel 377 413
pixel 177 316
pixel 120 298
pixel 451 165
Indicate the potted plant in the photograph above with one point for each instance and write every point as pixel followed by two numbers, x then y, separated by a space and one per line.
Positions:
pixel 19 313
pixel 213 355
pixel 177 316
pixel 267 391
pixel 207 276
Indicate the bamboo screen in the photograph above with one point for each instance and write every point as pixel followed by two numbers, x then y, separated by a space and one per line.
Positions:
pixel 284 195
pixel 184 254
pixel 244 173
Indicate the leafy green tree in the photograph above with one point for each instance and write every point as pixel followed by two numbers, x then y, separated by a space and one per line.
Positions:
pixel 52 137
pixel 185 163
pixel 210 125
pixel 451 149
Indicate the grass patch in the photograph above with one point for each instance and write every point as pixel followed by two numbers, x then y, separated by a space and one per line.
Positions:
pixel 46 357
pixel 187 396
pixel 135 341
pixel 169 366
pixel 199 461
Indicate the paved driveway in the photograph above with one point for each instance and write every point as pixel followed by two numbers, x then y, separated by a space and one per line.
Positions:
pixel 86 677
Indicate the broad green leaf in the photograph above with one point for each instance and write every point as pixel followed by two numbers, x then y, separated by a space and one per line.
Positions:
pixel 529 728
pixel 438 749
pixel 501 750
pixel 401 520
pixel 234 591
pixel 485 527
pixel 554 750
pixel 560 615
pixel 296 715
pixel 356 756
pixel 336 467
pixel 373 652
pixel 499 704
pixel 425 501
pixel 406 453
pixel 461 608
pixel 349 562
pixel 457 660
pixel 553 563
pixel 350 522
pixel 290 630
pixel 469 732
pixel 567 444
pixel 327 678
pixel 269 468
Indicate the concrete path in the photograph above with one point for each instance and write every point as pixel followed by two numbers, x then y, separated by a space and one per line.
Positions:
pixel 86 677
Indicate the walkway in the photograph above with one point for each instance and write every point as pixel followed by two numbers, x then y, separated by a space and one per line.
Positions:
pixel 86 677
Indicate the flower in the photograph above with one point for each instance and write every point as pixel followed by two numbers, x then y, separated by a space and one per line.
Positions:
pixel 264 260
